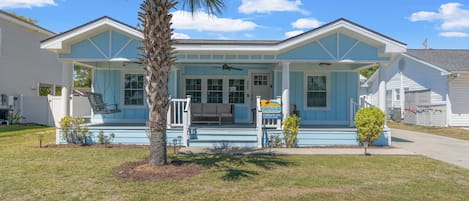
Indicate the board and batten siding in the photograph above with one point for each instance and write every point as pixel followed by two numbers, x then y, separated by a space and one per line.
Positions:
pixel 459 96
pixel 342 87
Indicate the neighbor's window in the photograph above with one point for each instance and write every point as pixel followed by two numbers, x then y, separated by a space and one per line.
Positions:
pixel 45 89
pixel 194 89
pixel 236 93
pixel 317 91
pixel 214 91
pixel 58 90
pixel 398 94
pixel 133 89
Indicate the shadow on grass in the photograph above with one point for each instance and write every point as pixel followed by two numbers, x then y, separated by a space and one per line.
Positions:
pixel 235 167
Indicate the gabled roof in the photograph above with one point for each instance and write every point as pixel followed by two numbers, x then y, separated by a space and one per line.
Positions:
pixel 450 60
pixel 14 19
pixel 388 44
pixel 57 42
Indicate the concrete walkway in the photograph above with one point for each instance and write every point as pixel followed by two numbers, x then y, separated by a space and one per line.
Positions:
pixel 296 151
pixel 441 148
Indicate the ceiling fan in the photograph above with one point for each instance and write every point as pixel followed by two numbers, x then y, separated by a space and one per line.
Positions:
pixel 227 67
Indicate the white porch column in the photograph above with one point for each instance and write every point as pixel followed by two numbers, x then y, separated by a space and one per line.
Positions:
pixel 285 89
pixel 67 79
pixel 382 90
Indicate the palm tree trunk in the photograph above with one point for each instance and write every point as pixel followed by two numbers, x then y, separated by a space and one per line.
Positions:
pixel 157 59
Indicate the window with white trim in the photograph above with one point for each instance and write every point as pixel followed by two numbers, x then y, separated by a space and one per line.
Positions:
pixel 194 89
pixel 316 95
pixel 133 89
pixel 398 94
pixel 214 91
pixel 260 80
pixel 236 91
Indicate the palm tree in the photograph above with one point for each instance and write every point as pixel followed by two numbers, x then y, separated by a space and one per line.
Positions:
pixel 158 58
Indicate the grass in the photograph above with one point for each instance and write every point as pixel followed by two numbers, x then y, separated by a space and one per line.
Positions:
pixel 30 173
pixel 452 132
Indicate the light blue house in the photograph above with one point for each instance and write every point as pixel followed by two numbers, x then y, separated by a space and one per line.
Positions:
pixel 315 73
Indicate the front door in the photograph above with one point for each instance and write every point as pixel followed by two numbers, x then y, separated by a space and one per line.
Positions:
pixel 261 85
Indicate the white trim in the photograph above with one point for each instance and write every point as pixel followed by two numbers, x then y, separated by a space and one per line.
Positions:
pixel 97 48
pixel 342 26
pixel 57 43
pixel 328 90
pixel 122 104
pixel 123 47
pixel 326 50
pixel 350 50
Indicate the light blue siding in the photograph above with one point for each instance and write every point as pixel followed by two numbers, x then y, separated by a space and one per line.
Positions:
pixel 310 51
pixel 105 41
pixel 83 49
pixel 214 70
pixel 343 86
pixel 109 84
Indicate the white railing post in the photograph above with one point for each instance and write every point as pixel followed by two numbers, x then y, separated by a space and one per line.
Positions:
pixel 186 121
pixel 279 121
pixel 351 112
pixel 168 115
pixel 259 121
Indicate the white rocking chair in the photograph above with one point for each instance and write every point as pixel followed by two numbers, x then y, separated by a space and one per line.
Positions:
pixel 99 106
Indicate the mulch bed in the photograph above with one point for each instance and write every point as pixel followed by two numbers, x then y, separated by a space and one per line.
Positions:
pixel 143 171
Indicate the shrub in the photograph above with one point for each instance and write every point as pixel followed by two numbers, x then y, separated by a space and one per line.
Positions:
pixel 291 126
pixel 369 122
pixel 74 131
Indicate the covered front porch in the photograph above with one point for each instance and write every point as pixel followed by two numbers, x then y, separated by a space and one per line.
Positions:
pixel 314 75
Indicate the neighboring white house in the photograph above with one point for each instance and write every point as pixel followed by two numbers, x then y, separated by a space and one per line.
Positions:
pixel 435 83
pixel 25 68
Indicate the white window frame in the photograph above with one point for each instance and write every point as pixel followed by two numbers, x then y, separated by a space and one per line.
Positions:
pixel 397 94
pixel 225 86
pixel 143 105
pixel 201 87
pixel 217 91
pixel 328 90
pixel 244 90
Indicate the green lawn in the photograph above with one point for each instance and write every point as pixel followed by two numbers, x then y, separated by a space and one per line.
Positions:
pixel 453 132
pixel 30 173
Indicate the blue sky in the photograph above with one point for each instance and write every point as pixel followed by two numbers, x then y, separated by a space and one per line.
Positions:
pixel 444 23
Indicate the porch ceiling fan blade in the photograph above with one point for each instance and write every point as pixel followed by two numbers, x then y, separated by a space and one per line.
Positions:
pixel 225 66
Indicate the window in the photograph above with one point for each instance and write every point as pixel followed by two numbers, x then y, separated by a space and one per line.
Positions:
pixel 194 89
pixel 236 93
pixel 316 91
pixel 45 89
pixel 214 91
pixel 133 89
pixel 58 90
pixel 398 94
pixel 260 80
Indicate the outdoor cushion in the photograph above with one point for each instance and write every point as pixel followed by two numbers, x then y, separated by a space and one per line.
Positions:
pixel 196 108
pixel 223 108
pixel 209 108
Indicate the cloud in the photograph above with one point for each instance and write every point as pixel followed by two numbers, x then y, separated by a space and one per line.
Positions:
pixel 454 34
pixel 201 21
pixel 25 3
pixel 248 35
pixel 306 23
pixel 293 33
pixel 451 15
pixel 268 6
pixel 177 35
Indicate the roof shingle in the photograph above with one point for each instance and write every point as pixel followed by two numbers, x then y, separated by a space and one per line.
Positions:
pixel 450 60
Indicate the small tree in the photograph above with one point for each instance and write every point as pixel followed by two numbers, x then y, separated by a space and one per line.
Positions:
pixel 73 130
pixel 291 126
pixel 369 122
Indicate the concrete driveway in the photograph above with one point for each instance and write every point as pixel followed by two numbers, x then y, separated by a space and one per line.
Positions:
pixel 449 150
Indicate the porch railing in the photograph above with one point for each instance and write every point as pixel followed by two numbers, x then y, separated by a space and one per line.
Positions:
pixel 265 123
pixel 179 116
pixel 175 112
pixel 354 107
